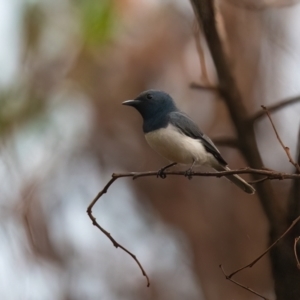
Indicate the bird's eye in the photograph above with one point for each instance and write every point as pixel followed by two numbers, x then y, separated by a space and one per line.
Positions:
pixel 149 96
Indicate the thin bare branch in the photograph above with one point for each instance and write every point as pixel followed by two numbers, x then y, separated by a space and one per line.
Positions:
pixel 258 180
pixel 270 174
pixel 241 285
pixel 274 108
pixel 295 251
pixel 95 223
pixel 286 149
pixel 250 265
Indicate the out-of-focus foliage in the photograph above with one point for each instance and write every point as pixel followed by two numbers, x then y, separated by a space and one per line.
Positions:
pixel 97 19
pixel 63 132
pixel 33 23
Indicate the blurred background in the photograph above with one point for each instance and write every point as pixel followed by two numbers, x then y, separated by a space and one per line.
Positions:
pixel 65 68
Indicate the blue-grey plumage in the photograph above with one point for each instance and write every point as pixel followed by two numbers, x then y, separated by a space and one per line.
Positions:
pixel 176 137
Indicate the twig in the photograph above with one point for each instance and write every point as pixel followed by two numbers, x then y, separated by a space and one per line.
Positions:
pixel 261 179
pixel 295 251
pixel 272 175
pixel 258 180
pixel 95 223
pixel 241 285
pixel 250 265
pixel 268 173
pixel 274 108
pixel 286 149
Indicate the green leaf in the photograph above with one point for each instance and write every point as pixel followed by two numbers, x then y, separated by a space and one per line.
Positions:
pixel 97 18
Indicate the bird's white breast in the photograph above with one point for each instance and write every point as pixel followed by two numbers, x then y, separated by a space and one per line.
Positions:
pixel 177 147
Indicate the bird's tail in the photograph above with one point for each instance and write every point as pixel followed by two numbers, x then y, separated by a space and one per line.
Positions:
pixel 237 180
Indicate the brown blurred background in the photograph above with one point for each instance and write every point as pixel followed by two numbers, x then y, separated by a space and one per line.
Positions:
pixel 66 66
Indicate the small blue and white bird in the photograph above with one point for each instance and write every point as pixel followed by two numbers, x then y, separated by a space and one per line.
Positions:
pixel 176 137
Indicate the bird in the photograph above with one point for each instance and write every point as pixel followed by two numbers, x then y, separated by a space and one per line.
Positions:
pixel 176 137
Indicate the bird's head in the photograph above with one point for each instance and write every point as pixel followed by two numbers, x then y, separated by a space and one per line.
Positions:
pixel 152 103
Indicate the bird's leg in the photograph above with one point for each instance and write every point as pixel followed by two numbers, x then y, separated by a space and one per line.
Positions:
pixel 161 172
pixel 189 172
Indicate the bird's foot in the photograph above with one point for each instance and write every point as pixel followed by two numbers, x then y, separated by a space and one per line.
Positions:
pixel 189 173
pixel 161 173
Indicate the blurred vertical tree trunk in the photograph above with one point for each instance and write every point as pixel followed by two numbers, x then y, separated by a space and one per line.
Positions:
pixel 285 273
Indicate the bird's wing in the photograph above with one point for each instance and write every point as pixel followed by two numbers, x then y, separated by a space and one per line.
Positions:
pixel 189 128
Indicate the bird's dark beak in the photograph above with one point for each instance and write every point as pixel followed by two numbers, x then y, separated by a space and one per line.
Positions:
pixel 130 102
